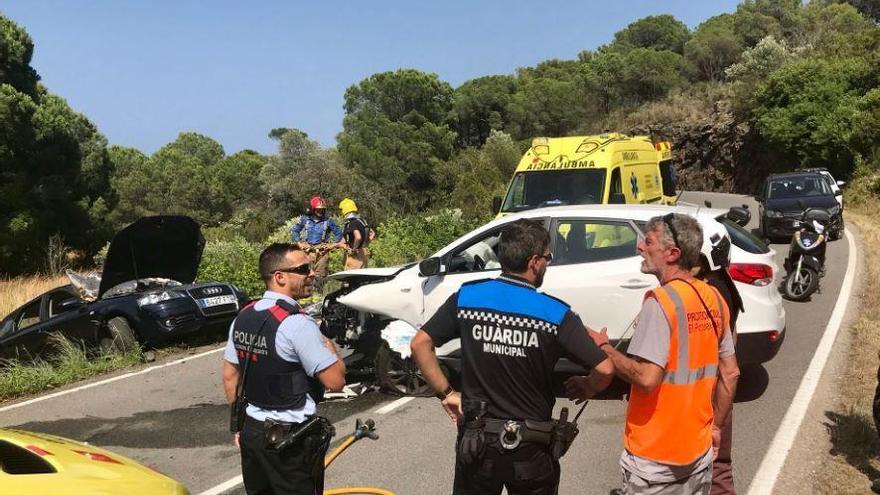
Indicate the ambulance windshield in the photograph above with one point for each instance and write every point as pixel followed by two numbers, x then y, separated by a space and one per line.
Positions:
pixel 553 188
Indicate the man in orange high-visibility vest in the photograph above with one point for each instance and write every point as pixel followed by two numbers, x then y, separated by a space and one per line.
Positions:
pixel 681 356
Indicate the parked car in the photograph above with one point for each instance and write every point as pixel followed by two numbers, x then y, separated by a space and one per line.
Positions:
pixel 146 294
pixel 595 269
pixel 40 463
pixel 784 197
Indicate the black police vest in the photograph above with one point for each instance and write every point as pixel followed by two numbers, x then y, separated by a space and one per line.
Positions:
pixel 270 382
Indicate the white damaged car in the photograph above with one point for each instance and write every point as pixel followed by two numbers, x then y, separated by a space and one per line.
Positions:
pixel 595 269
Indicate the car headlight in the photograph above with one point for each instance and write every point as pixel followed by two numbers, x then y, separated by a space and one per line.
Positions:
pixel 834 210
pixel 774 214
pixel 158 297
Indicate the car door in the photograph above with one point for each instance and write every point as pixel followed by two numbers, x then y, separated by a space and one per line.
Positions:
pixel 596 270
pixel 72 321
pixel 474 259
pixel 23 339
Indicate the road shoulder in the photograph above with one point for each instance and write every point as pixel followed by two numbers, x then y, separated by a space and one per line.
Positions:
pixel 813 450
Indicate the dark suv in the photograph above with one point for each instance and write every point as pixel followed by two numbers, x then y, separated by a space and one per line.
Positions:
pixel 784 197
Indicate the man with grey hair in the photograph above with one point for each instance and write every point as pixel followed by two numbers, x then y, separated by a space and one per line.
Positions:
pixel 681 367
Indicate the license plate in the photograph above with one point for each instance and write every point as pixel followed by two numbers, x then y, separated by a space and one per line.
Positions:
pixel 217 301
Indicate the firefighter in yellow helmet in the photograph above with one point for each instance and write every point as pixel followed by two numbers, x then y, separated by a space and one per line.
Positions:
pixel 356 234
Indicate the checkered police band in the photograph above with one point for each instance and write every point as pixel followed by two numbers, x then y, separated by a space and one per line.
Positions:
pixel 509 321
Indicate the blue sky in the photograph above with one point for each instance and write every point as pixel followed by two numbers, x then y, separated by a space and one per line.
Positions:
pixel 232 70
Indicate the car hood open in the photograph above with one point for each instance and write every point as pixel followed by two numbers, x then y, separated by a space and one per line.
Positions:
pixel 159 246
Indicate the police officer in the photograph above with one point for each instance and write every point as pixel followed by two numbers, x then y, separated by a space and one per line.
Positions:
pixel 277 359
pixel 511 338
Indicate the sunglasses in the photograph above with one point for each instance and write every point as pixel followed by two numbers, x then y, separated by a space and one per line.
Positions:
pixel 303 269
pixel 548 256
pixel 667 220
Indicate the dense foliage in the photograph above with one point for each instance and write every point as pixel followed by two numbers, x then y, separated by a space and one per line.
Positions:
pixel 788 84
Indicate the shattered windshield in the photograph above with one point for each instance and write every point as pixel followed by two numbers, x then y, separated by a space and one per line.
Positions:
pixel 556 187
pixel 799 187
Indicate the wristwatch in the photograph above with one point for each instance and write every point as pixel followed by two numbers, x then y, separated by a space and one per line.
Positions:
pixel 444 394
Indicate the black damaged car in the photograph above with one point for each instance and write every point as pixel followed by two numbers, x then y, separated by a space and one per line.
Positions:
pixel 146 293
pixel 784 197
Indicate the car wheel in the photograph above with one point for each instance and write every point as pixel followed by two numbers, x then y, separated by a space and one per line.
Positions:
pixel 117 336
pixel 400 376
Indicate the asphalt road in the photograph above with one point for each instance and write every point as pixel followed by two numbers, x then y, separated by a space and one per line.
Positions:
pixel 175 418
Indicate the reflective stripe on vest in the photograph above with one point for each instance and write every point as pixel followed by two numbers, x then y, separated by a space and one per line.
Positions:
pixel 673 423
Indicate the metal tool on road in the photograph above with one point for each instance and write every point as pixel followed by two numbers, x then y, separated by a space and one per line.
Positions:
pixel 362 429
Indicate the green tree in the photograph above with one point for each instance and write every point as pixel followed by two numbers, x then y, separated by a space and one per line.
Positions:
pixel 713 47
pixel 637 76
pixel 839 30
pixel 807 108
pixel 866 128
pixel 754 20
pixel 480 106
pixel 868 8
pixel 16 50
pixel 395 132
pixel 474 176
pixel 660 32
pixel 302 169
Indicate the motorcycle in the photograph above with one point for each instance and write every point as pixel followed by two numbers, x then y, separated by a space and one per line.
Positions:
pixel 805 263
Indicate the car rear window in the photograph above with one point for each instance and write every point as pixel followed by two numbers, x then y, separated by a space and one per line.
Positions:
pixel 742 238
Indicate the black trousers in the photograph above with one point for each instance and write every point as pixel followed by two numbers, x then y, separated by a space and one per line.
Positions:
pixel 527 470
pixel 299 470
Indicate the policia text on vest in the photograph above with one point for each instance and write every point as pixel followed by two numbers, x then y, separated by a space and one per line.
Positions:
pixel 283 442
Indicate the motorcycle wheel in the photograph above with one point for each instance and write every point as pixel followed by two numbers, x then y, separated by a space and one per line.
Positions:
pixel 799 290
pixel 400 376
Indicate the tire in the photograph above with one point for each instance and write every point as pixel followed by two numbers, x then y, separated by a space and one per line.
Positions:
pixel 400 376
pixel 800 291
pixel 117 336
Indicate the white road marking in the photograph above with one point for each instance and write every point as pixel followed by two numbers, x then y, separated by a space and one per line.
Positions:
pixel 108 380
pixel 387 408
pixel 222 487
pixel 774 459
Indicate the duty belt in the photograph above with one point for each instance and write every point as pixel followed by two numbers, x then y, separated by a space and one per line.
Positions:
pixel 513 432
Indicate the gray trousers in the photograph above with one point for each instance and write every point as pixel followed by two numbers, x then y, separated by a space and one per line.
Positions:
pixel 699 483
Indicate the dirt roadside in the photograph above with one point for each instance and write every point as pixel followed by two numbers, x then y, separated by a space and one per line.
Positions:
pixel 835 449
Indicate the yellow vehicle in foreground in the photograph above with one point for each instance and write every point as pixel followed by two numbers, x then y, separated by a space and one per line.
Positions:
pixel 50 465
pixel 605 169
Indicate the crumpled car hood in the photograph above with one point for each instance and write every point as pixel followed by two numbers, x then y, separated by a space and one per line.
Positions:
pixel 165 246
pixel 369 272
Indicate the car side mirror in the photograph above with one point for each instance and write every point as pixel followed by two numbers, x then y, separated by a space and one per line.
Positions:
pixel 616 198
pixel 496 205
pixel 739 215
pixel 429 267
pixel 841 183
pixel 72 303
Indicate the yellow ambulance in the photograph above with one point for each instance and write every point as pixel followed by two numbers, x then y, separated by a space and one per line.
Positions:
pixel 608 168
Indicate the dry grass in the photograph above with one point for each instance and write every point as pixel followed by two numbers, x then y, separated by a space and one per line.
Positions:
pixel 852 465
pixel 16 291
